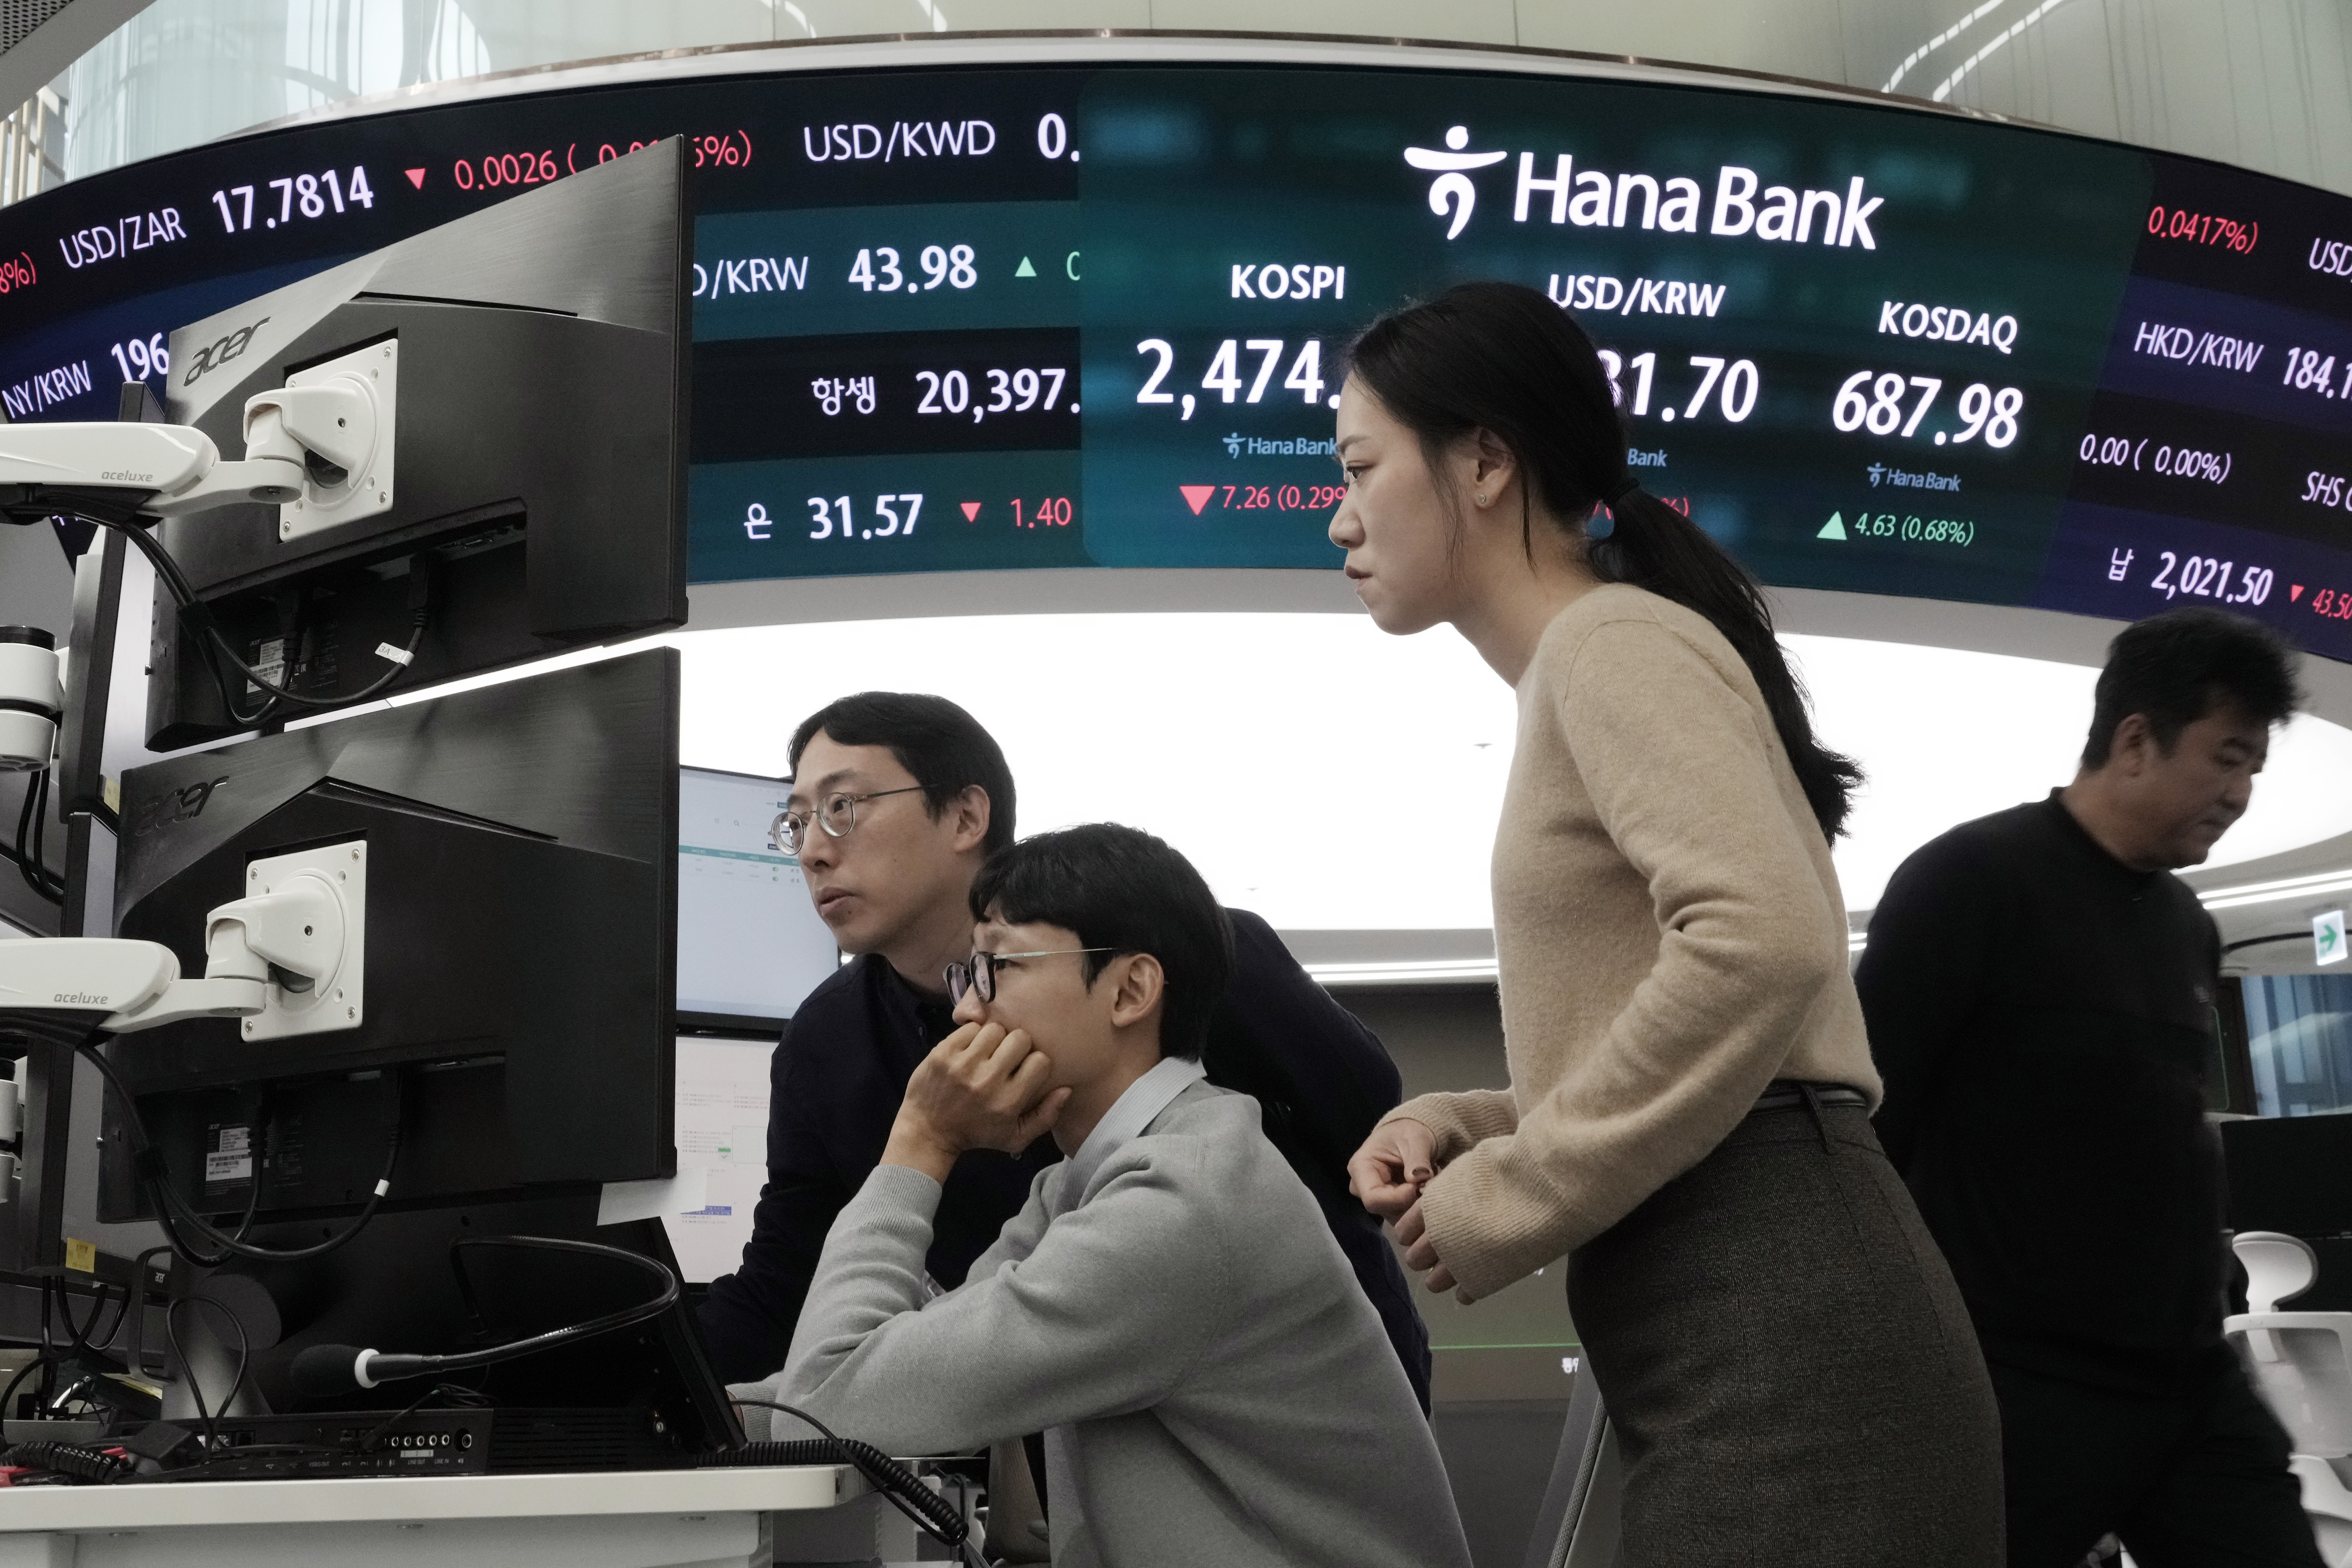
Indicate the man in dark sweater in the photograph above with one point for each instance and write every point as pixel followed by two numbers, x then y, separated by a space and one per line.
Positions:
pixel 2040 991
pixel 897 801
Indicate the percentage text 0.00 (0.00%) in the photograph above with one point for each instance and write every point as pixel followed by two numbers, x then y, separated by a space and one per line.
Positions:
pixel 2143 455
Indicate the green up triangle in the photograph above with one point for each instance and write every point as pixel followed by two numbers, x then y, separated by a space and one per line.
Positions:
pixel 1835 528
pixel 1024 269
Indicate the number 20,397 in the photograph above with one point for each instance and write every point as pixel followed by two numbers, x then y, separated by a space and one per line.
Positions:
pixel 835 519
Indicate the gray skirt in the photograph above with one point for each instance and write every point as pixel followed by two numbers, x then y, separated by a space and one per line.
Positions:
pixel 1787 1364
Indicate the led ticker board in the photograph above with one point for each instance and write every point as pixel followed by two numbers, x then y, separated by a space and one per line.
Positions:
pixel 1093 314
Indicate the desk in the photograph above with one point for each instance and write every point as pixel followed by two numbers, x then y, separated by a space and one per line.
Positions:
pixel 641 1519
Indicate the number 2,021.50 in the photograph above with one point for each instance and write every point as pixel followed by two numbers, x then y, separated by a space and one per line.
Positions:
pixel 2209 579
pixel 310 194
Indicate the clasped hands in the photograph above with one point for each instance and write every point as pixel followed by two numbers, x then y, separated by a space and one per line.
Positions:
pixel 1387 1176
pixel 981 1088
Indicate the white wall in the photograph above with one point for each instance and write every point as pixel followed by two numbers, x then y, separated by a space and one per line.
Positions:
pixel 2263 83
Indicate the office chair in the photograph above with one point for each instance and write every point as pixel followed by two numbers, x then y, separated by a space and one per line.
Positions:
pixel 1577 1522
pixel 2301 1363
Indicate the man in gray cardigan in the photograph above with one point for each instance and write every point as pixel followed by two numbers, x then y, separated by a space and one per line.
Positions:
pixel 1168 1307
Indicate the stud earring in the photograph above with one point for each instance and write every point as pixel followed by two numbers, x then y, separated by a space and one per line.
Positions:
pixel 1482 500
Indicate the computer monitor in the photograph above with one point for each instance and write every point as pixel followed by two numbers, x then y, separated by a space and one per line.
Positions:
pixel 722 1133
pixel 520 855
pixel 532 497
pixel 749 944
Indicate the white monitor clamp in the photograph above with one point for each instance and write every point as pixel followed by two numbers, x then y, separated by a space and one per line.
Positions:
pixel 300 443
pixel 31 698
pixel 289 959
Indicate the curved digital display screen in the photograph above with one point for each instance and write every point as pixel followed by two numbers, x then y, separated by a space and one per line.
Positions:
pixel 1091 315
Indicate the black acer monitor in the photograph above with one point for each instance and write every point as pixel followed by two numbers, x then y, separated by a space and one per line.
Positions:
pixel 532 498
pixel 514 1023
pixel 520 858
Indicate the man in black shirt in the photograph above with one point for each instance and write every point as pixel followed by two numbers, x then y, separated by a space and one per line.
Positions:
pixel 2040 991
pixel 897 799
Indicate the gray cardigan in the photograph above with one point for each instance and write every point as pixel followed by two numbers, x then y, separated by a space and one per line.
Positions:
pixel 1214 1384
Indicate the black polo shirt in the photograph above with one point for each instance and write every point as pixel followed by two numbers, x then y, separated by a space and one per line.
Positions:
pixel 2043 1015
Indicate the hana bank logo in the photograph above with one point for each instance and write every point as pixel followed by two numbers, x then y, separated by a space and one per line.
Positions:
pixel 1452 190
pixel 1743 206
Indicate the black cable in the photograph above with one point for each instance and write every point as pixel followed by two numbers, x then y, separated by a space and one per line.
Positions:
pixel 76 1460
pixel 199 615
pixel 48 1344
pixel 79 1339
pixel 39 860
pixel 173 1212
pixel 98 1341
pixel 408 1366
pixel 30 824
pixel 252 1207
pixel 9 1393
pixel 194 610
pixel 930 1512
pixel 196 1387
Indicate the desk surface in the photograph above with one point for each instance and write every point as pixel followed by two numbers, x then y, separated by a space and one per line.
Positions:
pixel 418 1497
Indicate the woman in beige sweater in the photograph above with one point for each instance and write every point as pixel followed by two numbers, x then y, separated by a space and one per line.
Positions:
pixel 1787 1366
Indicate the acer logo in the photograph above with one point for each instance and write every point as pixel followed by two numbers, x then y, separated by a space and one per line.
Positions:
pixel 178 806
pixel 218 354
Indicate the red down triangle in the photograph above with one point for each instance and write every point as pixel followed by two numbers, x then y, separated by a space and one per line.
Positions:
pixel 416 177
pixel 970 510
pixel 1197 495
pixel 2293 592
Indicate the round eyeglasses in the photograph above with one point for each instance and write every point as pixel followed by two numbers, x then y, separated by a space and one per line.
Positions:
pixel 979 975
pixel 837 814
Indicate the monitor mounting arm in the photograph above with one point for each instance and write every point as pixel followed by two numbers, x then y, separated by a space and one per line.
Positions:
pixel 297 439
pixel 267 957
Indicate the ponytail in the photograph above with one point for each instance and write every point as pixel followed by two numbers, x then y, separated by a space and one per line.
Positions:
pixel 1501 357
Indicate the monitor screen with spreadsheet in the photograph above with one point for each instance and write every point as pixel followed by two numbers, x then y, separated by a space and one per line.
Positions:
pixel 749 945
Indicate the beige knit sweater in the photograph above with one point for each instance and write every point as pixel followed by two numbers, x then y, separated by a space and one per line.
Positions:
pixel 1670 933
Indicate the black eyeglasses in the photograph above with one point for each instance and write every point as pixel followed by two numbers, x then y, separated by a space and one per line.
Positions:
pixel 837 814
pixel 979 975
